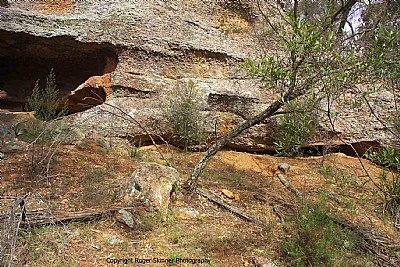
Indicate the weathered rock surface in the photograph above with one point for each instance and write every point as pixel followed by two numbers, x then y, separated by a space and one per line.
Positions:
pixel 140 52
pixel 152 184
pixel 94 91
pixel 284 167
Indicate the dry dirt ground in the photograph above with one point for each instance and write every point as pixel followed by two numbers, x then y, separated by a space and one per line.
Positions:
pixel 91 175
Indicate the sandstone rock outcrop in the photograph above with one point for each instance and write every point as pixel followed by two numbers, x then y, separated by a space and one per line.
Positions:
pixel 146 49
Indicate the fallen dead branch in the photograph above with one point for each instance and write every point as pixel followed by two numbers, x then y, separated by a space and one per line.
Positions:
pixel 380 246
pixel 39 218
pixel 11 223
pixel 275 209
pixel 286 184
pixel 218 200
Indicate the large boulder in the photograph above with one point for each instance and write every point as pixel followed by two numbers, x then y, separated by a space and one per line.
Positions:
pixel 152 184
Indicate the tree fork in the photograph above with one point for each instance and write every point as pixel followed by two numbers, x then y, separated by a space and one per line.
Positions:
pixel 220 143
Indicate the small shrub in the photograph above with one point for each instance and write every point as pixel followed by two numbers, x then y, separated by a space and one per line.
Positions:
pixel 134 152
pixel 317 239
pixel 391 187
pixel 326 171
pixel 105 145
pixel 175 237
pixel 386 157
pixel 44 101
pixel 148 221
pixel 183 110
pixel 172 258
pixel 41 132
pixel 295 127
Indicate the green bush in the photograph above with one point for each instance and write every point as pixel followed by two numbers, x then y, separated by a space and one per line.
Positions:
pixel 317 240
pixel 184 112
pixel 391 188
pixel 386 157
pixel 44 101
pixel 295 127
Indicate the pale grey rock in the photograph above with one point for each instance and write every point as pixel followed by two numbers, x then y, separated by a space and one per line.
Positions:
pixel 152 184
pixel 284 167
pixel 190 212
pixel 263 262
pixel 126 217
pixel 13 146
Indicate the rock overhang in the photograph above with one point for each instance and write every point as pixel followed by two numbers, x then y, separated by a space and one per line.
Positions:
pixel 26 58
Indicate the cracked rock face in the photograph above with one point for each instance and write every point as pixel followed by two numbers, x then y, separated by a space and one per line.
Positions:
pixel 132 54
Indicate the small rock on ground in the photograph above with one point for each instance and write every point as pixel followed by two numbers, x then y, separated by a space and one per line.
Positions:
pixel 188 213
pixel 284 167
pixel 263 262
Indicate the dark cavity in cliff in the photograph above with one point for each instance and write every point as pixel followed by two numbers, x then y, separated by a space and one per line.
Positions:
pixel 25 58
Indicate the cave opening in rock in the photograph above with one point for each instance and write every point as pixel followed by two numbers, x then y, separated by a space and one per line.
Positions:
pixel 79 67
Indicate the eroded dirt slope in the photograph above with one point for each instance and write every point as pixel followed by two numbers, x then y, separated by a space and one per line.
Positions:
pixel 90 176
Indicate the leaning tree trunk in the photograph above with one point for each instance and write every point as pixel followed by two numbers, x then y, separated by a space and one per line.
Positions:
pixel 220 143
pixel 267 113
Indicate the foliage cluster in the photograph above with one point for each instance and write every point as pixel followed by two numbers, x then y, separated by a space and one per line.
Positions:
pixel 386 157
pixel 44 101
pixel 389 180
pixel 310 65
pixel 390 183
pixel 295 127
pixel 184 111
pixel 318 240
